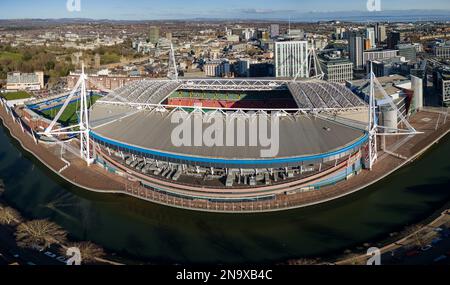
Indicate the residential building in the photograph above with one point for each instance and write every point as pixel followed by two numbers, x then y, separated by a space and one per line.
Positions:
pixel 356 50
pixel 291 59
pixel 370 35
pixel 274 30
pixel 217 68
pixel 380 33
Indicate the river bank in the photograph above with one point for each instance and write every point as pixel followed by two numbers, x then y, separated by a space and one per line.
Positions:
pixel 148 232
pixel 98 179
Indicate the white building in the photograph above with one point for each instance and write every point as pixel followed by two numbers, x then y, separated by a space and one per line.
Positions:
pixel 291 59
pixel 370 35
pixel 378 54
pixel 25 81
pixel 380 33
pixel 442 51
pixel 217 68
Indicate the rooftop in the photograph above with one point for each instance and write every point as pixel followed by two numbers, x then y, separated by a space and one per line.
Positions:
pixel 301 137
pixel 310 94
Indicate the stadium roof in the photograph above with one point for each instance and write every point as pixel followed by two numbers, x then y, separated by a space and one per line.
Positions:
pixel 312 94
pixel 303 136
pixel 144 91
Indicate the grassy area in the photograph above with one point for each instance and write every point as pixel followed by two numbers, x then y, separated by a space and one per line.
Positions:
pixel 69 116
pixel 109 58
pixel 5 55
pixel 16 95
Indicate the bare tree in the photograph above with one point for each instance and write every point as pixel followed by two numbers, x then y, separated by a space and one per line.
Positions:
pixel 39 233
pixel 9 216
pixel 303 261
pixel 89 251
pixel 416 232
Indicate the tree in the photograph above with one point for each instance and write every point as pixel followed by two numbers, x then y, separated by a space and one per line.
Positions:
pixel 416 232
pixel 27 56
pixel 39 233
pixel 90 252
pixel 303 261
pixel 9 216
pixel 50 65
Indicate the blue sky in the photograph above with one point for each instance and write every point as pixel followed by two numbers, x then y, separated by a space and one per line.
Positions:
pixel 179 9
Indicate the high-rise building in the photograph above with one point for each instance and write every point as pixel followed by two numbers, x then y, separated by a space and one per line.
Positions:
pixel 291 59
pixel 356 50
pixel 441 81
pixel 367 44
pixel 340 33
pixel 380 33
pixel 336 68
pixel 169 36
pixel 153 35
pixel 274 30
pixel 370 35
pixel 248 34
pixel 408 51
pixel 393 39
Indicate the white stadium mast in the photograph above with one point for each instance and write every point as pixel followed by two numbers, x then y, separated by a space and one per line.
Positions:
pixel 172 73
pixel 372 154
pixel 313 62
pixel 374 129
pixel 82 128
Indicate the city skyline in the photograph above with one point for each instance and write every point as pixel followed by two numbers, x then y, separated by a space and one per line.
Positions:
pixel 307 10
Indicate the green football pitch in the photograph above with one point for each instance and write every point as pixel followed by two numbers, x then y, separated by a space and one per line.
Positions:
pixel 70 114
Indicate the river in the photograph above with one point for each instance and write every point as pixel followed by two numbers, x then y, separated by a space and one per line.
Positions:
pixel 166 235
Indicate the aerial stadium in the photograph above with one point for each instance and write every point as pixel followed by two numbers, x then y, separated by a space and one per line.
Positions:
pixel 322 133
pixel 325 135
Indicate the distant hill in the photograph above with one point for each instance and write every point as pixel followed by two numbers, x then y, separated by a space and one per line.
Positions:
pixel 250 15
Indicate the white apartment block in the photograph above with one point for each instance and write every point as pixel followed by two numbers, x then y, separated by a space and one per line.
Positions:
pixel 291 59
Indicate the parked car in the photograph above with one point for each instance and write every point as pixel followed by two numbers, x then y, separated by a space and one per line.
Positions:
pixel 427 247
pixel 440 258
pixel 50 254
pixel 436 241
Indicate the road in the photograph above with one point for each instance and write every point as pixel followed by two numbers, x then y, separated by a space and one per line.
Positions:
pixel 10 253
pixel 422 257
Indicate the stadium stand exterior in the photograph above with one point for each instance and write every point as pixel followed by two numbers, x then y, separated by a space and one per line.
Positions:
pixel 132 130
